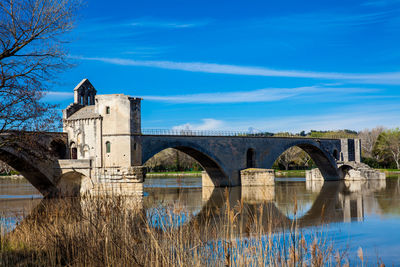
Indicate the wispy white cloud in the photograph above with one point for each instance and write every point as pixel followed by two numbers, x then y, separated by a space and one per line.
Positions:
pixel 328 20
pixel 205 125
pixel 58 96
pixel 261 95
pixel 388 116
pixel 368 78
pixel 380 3
pixel 157 23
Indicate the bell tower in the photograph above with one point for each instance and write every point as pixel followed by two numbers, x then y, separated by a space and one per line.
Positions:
pixel 84 93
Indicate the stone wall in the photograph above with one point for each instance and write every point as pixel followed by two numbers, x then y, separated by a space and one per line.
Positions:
pixel 257 177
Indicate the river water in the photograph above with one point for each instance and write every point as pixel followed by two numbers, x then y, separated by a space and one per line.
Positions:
pixel 357 214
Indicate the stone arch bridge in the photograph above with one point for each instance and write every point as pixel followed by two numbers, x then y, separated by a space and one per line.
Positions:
pixel 223 157
pixel 103 146
pixel 44 159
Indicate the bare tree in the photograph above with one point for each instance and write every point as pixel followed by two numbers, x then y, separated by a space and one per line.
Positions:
pixel 172 159
pixel 32 52
pixel 290 155
pixel 368 140
pixel 5 169
pixel 304 159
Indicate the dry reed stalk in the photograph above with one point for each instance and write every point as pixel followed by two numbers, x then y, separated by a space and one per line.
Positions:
pixel 97 231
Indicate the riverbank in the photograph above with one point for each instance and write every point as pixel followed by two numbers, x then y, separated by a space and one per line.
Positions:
pixel 174 174
pixel 391 173
pixel 12 176
pixel 278 173
pixel 290 173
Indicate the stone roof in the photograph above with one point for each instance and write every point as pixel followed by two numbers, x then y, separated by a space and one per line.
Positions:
pixel 87 112
pixel 81 83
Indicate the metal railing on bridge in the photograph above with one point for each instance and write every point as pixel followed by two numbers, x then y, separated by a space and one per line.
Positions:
pixel 194 132
pixel 187 132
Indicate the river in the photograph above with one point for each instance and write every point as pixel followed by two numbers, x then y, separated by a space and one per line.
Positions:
pixel 358 214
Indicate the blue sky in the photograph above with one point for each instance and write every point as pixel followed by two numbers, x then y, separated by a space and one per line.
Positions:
pixel 231 65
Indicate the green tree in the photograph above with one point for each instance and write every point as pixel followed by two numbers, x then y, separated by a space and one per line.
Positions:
pixel 388 145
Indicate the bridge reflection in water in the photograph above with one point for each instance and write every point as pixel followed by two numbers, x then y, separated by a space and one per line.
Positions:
pixel 274 207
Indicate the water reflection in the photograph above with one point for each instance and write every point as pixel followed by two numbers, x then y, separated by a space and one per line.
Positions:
pixel 365 212
pixel 331 202
pixel 311 203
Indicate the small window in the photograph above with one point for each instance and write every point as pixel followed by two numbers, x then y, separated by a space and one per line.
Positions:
pixel 74 153
pixel 107 110
pixel 108 147
pixel 335 154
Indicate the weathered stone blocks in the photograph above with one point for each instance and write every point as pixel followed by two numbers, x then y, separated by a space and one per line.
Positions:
pixel 356 172
pixel 206 180
pixel 257 177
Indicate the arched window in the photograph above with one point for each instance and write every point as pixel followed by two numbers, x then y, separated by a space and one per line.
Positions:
pixel 251 159
pixel 74 151
pixel 108 147
pixel 107 110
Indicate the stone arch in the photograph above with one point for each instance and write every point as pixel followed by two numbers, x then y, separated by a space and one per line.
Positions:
pixel 207 160
pixel 324 160
pixel 30 169
pixel 73 183
pixel 250 158
pixel 344 170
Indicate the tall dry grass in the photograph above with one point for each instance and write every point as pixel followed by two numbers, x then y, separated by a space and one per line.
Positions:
pixel 114 231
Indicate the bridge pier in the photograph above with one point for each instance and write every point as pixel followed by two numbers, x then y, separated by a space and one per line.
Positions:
pixel 349 171
pixel 248 177
pixel 257 177
pixel 79 177
pixel 206 180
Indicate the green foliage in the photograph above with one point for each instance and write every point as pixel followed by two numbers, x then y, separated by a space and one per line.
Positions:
pixel 332 134
pixel 387 147
pixel 372 162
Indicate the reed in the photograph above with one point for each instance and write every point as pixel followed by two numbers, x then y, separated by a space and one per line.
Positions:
pixel 115 231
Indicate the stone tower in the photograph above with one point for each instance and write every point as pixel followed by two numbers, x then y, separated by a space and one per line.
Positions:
pixel 104 129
